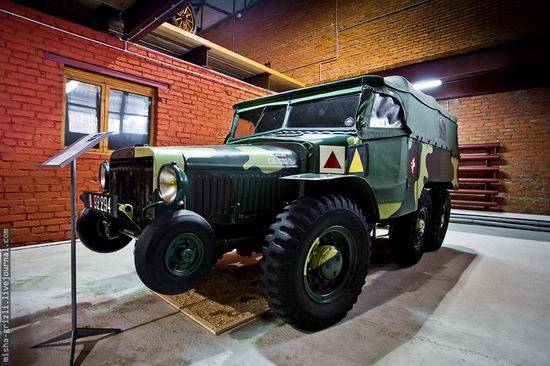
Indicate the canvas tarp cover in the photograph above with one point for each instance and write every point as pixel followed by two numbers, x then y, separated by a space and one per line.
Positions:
pixel 428 121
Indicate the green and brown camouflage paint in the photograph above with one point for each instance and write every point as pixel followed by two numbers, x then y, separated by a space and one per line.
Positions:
pixel 253 177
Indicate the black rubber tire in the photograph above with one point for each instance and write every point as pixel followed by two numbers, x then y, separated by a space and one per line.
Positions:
pixel 404 247
pixel 153 242
pixel 92 234
pixel 441 211
pixel 285 252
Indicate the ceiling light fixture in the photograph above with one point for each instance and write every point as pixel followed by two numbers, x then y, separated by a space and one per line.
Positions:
pixel 427 84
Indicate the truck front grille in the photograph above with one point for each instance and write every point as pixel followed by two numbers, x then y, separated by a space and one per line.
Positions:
pixel 215 196
pixel 132 181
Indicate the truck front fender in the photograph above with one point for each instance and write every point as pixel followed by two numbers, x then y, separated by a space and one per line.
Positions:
pixel 353 187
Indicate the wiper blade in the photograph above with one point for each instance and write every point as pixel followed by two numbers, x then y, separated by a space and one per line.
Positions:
pixel 289 133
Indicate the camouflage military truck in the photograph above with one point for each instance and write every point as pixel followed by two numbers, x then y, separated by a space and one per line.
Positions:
pixel 304 177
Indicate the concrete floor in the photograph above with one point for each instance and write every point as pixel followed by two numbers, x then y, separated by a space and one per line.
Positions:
pixel 484 298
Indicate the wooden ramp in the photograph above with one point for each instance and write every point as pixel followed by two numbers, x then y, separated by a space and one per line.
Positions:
pixel 228 297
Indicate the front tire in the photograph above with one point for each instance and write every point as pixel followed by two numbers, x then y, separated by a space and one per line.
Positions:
pixel 175 252
pixel 94 236
pixel 409 232
pixel 315 261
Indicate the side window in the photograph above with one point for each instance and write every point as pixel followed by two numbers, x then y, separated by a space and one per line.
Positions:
pixel 244 128
pixel 95 103
pixel 129 119
pixel 386 112
pixel 246 124
pixel 83 110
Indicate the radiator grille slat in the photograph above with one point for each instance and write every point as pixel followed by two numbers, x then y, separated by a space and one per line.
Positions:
pixel 215 197
pixel 132 181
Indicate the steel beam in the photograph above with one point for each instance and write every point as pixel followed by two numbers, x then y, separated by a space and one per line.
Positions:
pixel 105 18
pixel 197 56
pixel 216 8
pixel 260 80
pixel 144 15
pixel 512 66
pixel 503 57
pixel 534 76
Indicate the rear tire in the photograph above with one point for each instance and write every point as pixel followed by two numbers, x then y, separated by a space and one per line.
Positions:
pixel 93 236
pixel 315 261
pixel 441 212
pixel 409 232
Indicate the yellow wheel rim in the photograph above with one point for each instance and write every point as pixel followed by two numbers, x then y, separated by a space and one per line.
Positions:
pixel 185 19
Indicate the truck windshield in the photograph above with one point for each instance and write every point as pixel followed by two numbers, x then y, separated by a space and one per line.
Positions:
pixel 333 112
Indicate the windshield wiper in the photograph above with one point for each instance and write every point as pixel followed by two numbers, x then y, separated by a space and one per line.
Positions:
pixel 260 119
pixel 289 133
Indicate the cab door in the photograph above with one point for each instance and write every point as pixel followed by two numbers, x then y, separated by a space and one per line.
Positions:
pixel 381 123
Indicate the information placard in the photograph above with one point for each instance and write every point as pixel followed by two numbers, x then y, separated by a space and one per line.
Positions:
pixel 61 159
pixel 73 151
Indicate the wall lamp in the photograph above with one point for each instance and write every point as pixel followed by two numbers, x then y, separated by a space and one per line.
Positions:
pixel 427 84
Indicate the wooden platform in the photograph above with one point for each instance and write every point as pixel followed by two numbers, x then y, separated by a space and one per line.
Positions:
pixel 228 297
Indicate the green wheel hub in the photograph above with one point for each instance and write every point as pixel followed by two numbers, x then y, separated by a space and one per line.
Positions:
pixel 420 227
pixel 329 264
pixel 184 254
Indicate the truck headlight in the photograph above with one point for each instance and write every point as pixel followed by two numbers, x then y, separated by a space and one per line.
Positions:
pixel 104 175
pixel 172 183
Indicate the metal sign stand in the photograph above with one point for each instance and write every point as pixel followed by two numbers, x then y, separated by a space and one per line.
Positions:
pixel 61 160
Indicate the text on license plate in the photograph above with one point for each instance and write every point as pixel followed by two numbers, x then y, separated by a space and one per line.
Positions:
pixel 101 203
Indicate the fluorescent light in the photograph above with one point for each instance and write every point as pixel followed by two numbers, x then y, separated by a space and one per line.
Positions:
pixel 427 84
pixel 71 85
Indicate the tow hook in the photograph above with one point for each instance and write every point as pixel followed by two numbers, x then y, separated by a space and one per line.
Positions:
pixel 106 227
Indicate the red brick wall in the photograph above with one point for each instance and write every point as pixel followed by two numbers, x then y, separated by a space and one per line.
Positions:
pixel 298 37
pixel 520 120
pixel 34 202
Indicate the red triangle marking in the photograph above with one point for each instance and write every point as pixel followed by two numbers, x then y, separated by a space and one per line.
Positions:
pixel 332 162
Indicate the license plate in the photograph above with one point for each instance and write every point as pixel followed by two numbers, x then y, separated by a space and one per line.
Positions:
pixel 103 203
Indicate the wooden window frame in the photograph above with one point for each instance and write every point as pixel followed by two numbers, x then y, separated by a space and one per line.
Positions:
pixel 106 83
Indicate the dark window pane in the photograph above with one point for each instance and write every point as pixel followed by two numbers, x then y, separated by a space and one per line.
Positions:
pixel 330 112
pixel 129 119
pixel 83 109
pixel 272 119
pixel 260 120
